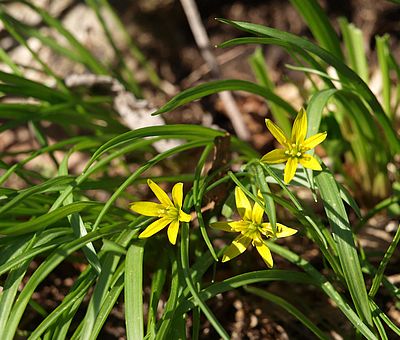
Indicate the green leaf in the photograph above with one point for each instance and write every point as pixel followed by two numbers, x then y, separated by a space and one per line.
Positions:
pixel 289 308
pixel 51 262
pixel 43 221
pixel 382 49
pixel 376 282
pixel 216 86
pixel 193 290
pixel 134 291
pixel 343 236
pixel 354 41
pixel 319 24
pixel 321 281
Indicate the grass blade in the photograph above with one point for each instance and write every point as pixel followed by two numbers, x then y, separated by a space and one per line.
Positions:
pixel 354 42
pixel 216 86
pixel 289 308
pixel 319 24
pixel 376 282
pixel 343 236
pixel 382 49
pixel 133 291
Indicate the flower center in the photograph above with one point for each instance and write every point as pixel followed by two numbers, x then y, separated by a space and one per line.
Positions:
pixel 295 150
pixel 170 212
pixel 253 231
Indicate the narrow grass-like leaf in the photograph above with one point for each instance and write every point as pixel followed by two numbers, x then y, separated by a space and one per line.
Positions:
pixel 384 204
pixel 176 131
pixel 11 285
pixel 193 290
pixel 77 293
pixel 198 198
pixel 44 270
pixel 109 266
pixel 131 83
pixel 133 291
pixel 289 308
pixel 86 56
pixel 170 307
pixel 43 187
pixel 216 86
pixel 108 304
pixel 343 236
pixel 245 279
pixel 382 50
pixel 265 190
pixel 384 317
pixel 9 62
pixel 132 47
pixel 376 282
pixel 354 42
pixel 76 221
pixel 321 281
pixel 43 221
pixel 319 24
pixel 157 284
pixel 19 85
pixel 12 26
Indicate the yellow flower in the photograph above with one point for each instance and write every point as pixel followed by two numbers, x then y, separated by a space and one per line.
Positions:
pixel 251 229
pixel 295 148
pixel 170 213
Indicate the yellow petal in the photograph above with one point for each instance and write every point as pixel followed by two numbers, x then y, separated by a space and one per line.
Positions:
pixel 173 231
pixel 183 217
pixel 281 230
pixel 276 132
pixel 258 213
pixel 265 253
pixel 290 169
pixel 225 226
pixel 238 246
pixel 310 162
pixel 160 193
pixel 242 204
pixel 155 227
pixel 239 226
pixel 147 208
pixel 275 156
pixel 299 129
pixel 313 141
pixel 177 194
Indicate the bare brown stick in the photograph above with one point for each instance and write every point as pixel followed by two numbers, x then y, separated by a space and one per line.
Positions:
pixel 203 43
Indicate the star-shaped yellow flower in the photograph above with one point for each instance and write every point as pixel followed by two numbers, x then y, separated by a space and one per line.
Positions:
pixel 170 213
pixel 295 148
pixel 251 229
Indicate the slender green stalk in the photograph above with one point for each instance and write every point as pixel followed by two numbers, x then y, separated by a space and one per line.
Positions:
pixel 377 280
pixel 193 290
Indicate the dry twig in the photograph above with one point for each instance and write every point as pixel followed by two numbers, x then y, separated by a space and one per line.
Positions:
pixel 203 42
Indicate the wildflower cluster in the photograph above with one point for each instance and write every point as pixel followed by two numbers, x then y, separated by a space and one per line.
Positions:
pixel 251 227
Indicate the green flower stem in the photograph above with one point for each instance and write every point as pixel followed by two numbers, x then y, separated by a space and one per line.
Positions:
pixel 185 266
